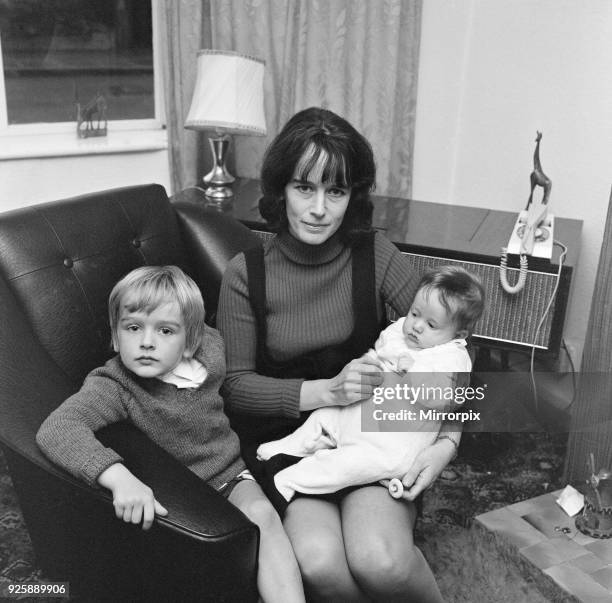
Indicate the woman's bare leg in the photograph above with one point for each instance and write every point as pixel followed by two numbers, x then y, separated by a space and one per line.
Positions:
pixel 315 531
pixel 380 550
pixel 278 576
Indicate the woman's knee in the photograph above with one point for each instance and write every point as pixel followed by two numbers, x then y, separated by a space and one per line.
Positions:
pixel 385 566
pixel 319 560
pixel 315 532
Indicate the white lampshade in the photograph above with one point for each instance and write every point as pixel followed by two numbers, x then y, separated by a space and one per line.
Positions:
pixel 228 94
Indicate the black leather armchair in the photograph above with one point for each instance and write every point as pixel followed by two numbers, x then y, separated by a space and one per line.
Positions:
pixel 58 262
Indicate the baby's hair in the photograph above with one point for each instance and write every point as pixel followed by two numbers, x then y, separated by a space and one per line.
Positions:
pixel 148 287
pixel 461 293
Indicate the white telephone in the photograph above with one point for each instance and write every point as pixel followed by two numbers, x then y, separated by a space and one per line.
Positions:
pixel 538 241
pixel 532 234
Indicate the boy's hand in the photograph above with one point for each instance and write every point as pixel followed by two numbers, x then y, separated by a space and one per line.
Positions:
pixel 133 500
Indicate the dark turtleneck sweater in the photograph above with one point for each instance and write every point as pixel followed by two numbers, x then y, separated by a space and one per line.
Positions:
pixel 308 306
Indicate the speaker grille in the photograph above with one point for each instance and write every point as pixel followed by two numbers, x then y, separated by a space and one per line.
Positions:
pixel 507 318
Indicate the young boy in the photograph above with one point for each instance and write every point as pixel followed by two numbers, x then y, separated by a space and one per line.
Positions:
pixel 429 341
pixel 165 379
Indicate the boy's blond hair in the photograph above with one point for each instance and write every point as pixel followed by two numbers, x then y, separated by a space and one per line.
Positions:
pixel 148 287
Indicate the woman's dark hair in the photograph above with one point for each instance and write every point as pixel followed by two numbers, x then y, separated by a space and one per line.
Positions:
pixel 350 163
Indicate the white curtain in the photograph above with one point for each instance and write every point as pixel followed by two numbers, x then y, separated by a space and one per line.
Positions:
pixel 591 428
pixel 184 30
pixel 358 58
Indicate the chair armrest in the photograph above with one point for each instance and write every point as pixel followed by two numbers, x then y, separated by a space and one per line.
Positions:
pixel 192 504
pixel 204 550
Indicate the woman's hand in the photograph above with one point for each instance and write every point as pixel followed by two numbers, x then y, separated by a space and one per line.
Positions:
pixel 355 382
pixel 426 468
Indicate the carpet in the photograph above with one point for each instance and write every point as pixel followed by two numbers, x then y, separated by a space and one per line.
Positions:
pixel 17 562
pixel 491 471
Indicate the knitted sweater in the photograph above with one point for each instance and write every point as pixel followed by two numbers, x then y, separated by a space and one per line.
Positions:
pixel 308 307
pixel 189 424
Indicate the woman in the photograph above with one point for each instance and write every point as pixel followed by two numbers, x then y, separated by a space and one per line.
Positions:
pixel 294 317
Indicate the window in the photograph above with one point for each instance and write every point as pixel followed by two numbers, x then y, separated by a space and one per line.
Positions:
pixel 55 53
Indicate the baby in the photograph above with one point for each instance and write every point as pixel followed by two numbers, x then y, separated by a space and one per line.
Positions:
pixel 430 341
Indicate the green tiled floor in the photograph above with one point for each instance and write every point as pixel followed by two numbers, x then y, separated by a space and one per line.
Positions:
pixel 572 566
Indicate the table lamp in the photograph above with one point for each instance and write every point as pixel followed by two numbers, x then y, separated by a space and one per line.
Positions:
pixel 228 98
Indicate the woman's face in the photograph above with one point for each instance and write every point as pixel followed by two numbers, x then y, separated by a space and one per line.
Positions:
pixel 315 209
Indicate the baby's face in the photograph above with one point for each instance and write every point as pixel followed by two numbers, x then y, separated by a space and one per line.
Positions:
pixel 428 323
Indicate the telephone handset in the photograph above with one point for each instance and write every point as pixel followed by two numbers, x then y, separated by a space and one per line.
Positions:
pixel 533 232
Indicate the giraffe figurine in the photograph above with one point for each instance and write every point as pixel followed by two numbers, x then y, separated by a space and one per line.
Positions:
pixel 536 210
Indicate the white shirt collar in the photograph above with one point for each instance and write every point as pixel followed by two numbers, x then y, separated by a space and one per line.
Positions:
pixel 189 372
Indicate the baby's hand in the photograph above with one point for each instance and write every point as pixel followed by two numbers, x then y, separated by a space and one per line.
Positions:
pixel 405 363
pixel 133 500
pixel 371 353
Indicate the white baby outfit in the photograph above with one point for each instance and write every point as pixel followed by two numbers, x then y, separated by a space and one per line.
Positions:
pixel 338 454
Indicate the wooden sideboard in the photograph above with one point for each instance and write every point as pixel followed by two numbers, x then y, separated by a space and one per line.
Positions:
pixel 431 234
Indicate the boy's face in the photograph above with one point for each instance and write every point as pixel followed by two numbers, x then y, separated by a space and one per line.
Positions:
pixel 151 344
pixel 428 323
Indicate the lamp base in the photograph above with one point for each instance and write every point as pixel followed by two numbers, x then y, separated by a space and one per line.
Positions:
pixel 218 180
pixel 218 194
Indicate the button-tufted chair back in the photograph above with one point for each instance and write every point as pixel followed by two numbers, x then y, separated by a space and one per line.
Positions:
pixel 58 264
pixel 61 260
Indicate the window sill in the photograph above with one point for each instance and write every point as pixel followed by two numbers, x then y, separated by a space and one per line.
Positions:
pixel 36 146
